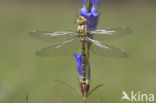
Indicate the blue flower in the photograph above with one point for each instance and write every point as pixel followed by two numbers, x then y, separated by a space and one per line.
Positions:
pixel 92 23
pixel 84 12
pixel 95 8
pixel 94 14
pixel 78 63
pixel 91 16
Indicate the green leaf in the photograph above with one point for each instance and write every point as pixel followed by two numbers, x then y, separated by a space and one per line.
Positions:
pixel 94 89
pixel 70 85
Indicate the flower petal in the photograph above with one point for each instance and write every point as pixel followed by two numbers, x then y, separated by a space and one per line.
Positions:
pixel 94 12
pixel 84 12
pixel 96 3
pixel 78 63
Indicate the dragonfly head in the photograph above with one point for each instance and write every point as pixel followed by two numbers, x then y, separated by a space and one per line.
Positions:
pixel 81 20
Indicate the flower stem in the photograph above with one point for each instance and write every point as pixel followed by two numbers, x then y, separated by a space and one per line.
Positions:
pixel 84 99
pixel 85 96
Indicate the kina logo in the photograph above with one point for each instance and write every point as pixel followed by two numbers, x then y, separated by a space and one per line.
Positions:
pixel 138 96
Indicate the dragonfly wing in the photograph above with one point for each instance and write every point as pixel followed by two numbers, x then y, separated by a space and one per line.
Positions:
pixel 61 49
pixel 106 51
pixel 110 34
pixel 52 36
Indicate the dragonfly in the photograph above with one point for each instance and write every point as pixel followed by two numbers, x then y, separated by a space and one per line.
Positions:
pixel 67 42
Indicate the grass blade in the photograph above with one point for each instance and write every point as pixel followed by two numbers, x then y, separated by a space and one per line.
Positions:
pixel 94 89
pixel 70 85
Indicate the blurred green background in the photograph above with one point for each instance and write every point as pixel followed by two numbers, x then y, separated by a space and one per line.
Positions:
pixel 22 72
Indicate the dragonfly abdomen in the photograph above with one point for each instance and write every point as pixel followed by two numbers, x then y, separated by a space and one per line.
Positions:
pixel 83 64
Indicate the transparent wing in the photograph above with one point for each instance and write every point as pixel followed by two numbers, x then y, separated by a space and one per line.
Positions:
pixel 61 49
pixel 52 36
pixel 110 34
pixel 105 50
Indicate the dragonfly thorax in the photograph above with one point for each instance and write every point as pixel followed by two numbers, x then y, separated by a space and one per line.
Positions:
pixel 82 32
pixel 82 28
